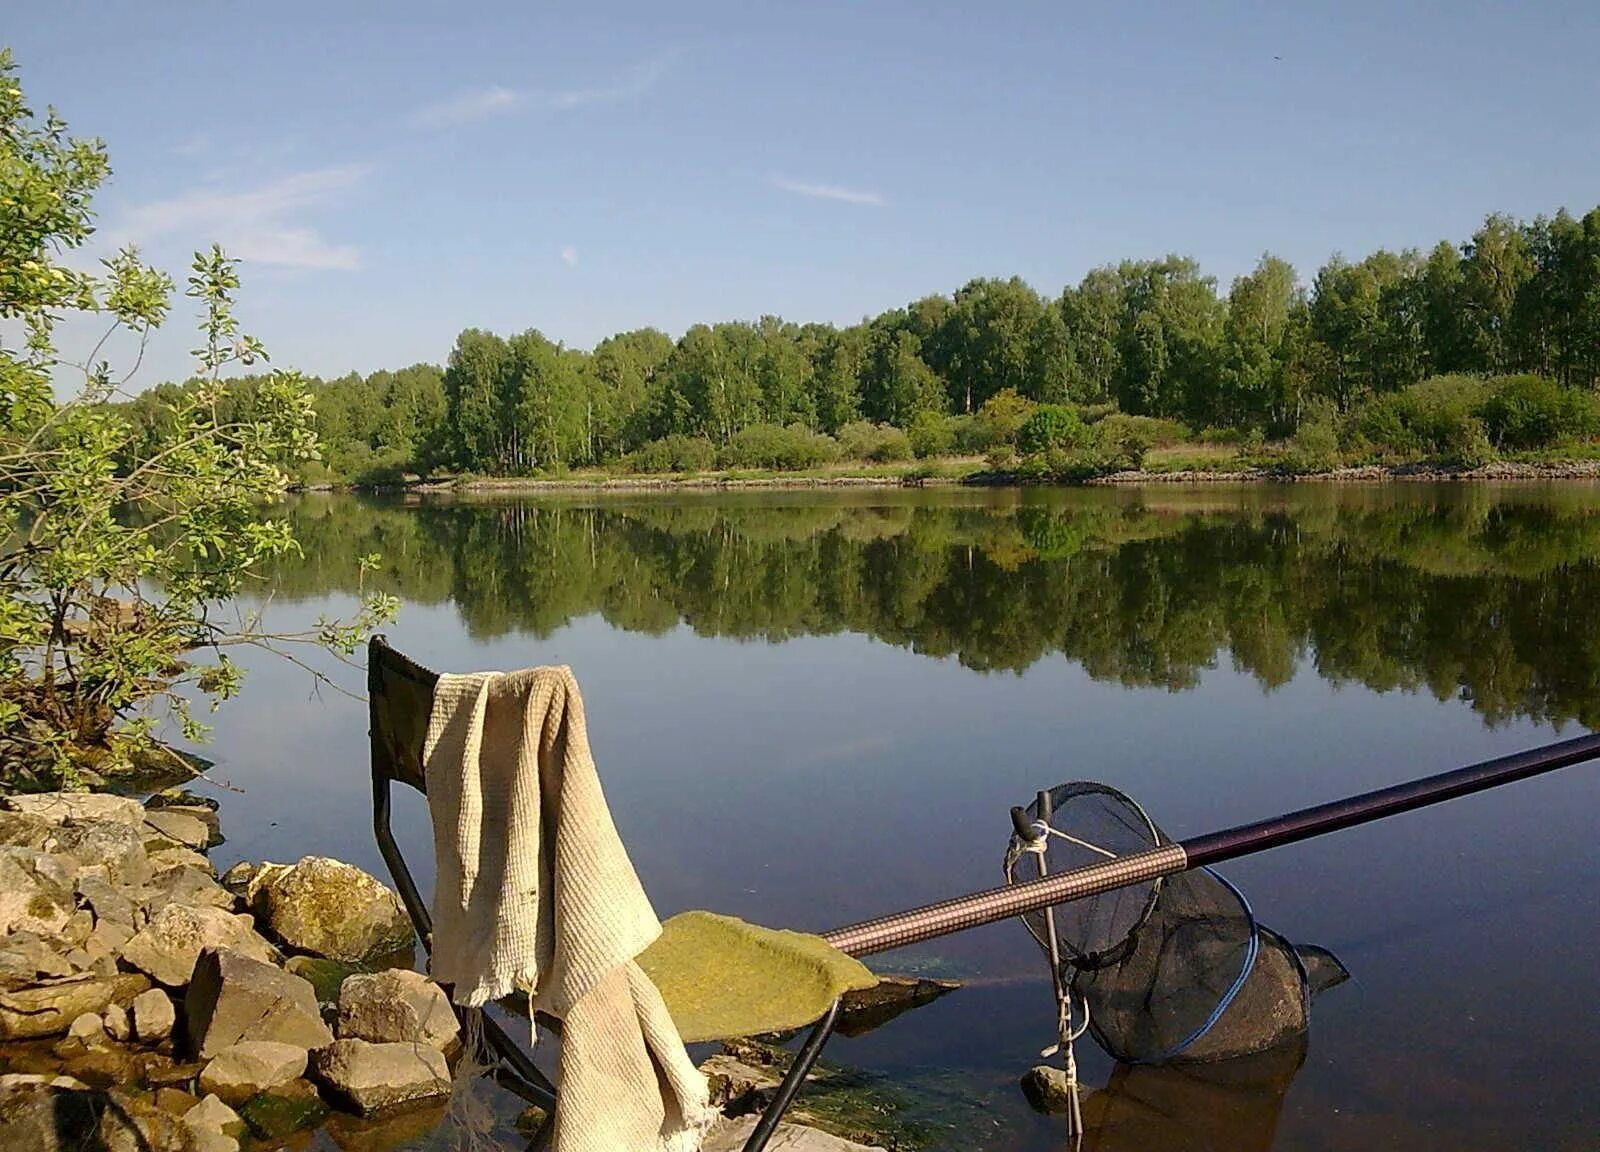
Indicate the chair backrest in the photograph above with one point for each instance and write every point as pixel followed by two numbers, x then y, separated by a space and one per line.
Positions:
pixel 399 700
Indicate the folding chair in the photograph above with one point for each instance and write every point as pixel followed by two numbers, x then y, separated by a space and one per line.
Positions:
pixel 400 698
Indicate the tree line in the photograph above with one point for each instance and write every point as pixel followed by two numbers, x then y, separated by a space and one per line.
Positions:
pixel 1152 338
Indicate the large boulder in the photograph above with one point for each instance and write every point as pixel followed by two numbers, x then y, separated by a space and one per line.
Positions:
pixel 22 830
pixel 60 807
pixel 168 947
pixel 329 908
pixel 235 998
pixel 50 1007
pixel 375 1078
pixel 107 848
pixel 394 1006
pixel 243 1070
pixel 186 885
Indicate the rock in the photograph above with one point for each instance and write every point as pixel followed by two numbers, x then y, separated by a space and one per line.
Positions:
pixel 186 885
pixel 176 856
pixel 119 1023
pixel 374 1078
pixel 102 1066
pixel 242 1070
pixel 396 1005
pixel 212 1115
pixel 863 1010
pixel 30 900
pixel 21 830
pixel 729 1135
pixel 88 1028
pixel 169 945
pixel 78 928
pixel 59 1118
pixel 26 959
pixel 737 1086
pixel 206 816
pixel 234 998
pixel 412 1127
pixel 1046 1089
pixel 108 847
pixel 111 905
pixel 107 939
pixel 284 1110
pixel 237 879
pixel 153 1016
pixel 49 1008
pixel 181 798
pixel 175 1100
pixel 330 909
pixel 179 828
pixel 60 807
pixel 326 976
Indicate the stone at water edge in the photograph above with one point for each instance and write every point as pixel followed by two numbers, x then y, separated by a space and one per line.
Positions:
pixel 175 856
pixel 153 1016
pixel 168 947
pixel 186 885
pixel 243 1070
pixel 327 977
pixel 329 908
pixel 237 878
pixel 212 1115
pixel 374 1078
pixel 283 1111
pixel 234 998
pixel 396 1005
pixel 59 807
pixel 180 828
pixel 1046 1089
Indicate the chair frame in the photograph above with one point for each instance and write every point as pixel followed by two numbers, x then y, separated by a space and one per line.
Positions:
pixel 397 758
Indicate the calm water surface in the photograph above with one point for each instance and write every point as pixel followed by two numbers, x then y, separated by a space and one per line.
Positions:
pixel 813 708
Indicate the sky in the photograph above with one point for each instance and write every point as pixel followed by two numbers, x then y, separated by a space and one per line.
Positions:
pixel 393 173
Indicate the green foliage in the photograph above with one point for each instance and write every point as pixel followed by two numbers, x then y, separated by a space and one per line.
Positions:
pixel 770 446
pixel 877 443
pixel 932 435
pixel 123 538
pixel 1535 412
pixel 1437 419
pixel 1315 445
pixel 1002 417
pixel 1052 426
pixel 674 453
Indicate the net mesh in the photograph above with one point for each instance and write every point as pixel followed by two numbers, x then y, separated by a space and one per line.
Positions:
pixel 1170 969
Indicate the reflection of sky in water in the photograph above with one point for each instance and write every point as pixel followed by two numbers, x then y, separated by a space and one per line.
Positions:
pixel 826 779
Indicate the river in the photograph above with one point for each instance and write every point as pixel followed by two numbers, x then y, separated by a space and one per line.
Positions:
pixel 809 708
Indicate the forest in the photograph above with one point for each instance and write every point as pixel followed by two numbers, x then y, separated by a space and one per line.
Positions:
pixel 1457 354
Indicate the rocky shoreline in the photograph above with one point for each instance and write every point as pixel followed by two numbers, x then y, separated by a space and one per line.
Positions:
pixel 1499 470
pixel 148 1005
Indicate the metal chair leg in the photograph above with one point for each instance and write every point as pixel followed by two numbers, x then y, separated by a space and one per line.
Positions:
pixel 804 1060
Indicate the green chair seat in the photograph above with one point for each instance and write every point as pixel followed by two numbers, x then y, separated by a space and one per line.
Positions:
pixel 723 978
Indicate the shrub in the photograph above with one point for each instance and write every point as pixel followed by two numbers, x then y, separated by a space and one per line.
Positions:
pixel 879 443
pixel 971 437
pixel 1315 445
pixel 1534 412
pixel 1003 415
pixel 675 453
pixel 1437 418
pixel 1052 426
pixel 1151 430
pixel 931 435
pixel 1002 458
pixel 773 446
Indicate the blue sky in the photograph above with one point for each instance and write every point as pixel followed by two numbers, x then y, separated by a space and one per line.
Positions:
pixel 395 172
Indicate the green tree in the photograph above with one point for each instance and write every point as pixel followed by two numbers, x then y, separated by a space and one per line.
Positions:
pixel 116 562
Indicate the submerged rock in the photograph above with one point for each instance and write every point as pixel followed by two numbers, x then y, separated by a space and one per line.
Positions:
pixel 863 1010
pixel 234 997
pixel 284 1110
pixel 396 1005
pixel 374 1078
pixel 329 908
pixel 168 947
pixel 730 1134
pixel 327 977
pixel 1047 1089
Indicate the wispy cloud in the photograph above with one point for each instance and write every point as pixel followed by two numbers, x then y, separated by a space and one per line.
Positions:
pixel 465 107
pixel 829 192
pixel 259 224
pixel 569 256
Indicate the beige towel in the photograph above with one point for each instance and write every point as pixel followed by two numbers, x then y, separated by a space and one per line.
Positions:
pixel 535 894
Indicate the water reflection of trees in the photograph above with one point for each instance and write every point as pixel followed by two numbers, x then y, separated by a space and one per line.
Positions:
pixel 1492 595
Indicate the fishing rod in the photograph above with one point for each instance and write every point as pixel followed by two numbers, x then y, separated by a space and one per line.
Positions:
pixel 977 908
